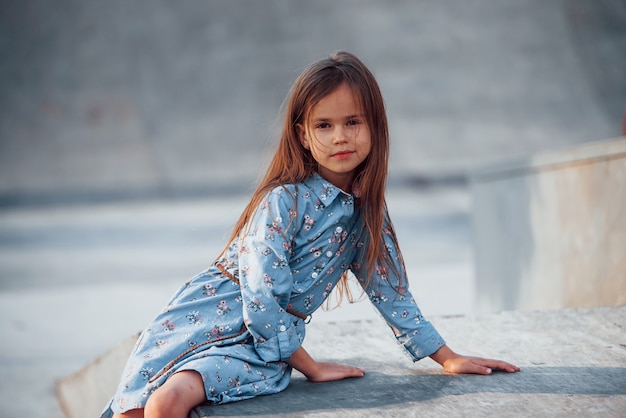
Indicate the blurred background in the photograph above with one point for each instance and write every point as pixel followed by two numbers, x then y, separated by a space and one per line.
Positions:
pixel 169 99
pixel 131 134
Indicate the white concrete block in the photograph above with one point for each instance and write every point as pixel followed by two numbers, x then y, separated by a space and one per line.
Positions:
pixel 550 232
pixel 86 392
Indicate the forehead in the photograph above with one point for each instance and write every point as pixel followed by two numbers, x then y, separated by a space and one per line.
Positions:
pixel 343 101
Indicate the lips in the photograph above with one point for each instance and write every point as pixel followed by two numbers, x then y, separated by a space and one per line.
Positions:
pixel 343 154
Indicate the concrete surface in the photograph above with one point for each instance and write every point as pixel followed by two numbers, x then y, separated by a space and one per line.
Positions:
pixel 573 364
pixel 154 98
pixel 550 231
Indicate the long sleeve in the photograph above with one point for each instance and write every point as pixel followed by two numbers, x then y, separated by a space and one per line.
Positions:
pixel 392 298
pixel 266 278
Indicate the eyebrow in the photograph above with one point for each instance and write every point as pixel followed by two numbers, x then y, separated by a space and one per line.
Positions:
pixel 325 119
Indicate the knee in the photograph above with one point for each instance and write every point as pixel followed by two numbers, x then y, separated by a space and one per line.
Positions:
pixel 178 395
pixel 134 413
pixel 164 402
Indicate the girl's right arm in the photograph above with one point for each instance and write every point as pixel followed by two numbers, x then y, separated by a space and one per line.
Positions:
pixel 319 371
pixel 266 279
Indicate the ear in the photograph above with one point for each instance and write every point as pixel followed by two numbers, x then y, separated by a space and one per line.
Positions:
pixel 302 136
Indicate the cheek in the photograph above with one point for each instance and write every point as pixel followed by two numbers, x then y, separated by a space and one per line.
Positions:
pixel 367 148
pixel 364 142
pixel 321 140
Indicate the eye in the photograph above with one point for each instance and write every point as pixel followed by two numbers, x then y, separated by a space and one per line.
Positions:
pixel 322 125
pixel 353 122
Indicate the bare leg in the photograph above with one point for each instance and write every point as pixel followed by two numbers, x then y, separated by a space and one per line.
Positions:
pixel 178 395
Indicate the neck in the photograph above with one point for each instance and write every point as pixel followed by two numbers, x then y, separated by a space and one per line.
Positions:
pixel 341 181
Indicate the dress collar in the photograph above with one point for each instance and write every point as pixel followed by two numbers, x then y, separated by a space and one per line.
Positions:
pixel 326 192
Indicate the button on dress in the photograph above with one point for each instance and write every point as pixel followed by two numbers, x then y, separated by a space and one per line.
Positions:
pixel 240 320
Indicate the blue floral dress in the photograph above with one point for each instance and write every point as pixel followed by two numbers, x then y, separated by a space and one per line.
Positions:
pixel 238 322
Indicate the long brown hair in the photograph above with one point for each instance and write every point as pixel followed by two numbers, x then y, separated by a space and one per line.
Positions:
pixel 292 163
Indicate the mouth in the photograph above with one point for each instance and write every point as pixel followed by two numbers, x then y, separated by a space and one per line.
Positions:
pixel 343 154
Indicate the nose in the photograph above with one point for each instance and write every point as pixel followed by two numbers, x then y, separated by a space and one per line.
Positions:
pixel 340 135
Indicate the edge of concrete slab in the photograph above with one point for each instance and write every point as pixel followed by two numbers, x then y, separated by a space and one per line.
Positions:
pixel 572 360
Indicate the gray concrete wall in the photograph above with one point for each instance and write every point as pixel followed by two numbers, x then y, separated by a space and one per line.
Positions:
pixel 159 97
pixel 550 232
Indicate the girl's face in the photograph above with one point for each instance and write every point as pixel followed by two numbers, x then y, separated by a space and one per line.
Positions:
pixel 337 135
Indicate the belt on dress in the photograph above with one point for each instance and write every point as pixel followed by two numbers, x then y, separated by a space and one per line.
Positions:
pixel 305 318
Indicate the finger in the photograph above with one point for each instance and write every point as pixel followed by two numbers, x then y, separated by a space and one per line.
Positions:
pixel 339 371
pixel 469 365
pixel 472 368
pixel 497 364
pixel 355 372
pixel 508 367
pixel 479 369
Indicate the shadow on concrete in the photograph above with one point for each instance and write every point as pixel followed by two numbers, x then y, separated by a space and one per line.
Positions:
pixel 377 389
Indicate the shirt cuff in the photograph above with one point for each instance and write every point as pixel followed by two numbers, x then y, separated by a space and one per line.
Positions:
pixel 425 343
pixel 283 345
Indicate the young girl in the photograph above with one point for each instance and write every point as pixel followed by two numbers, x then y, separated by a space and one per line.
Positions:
pixel 236 330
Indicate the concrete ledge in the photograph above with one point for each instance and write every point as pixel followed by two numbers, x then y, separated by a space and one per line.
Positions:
pixel 573 362
pixel 550 232
pixel 86 392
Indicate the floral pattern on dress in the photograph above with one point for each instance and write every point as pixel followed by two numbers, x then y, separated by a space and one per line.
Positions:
pixel 234 324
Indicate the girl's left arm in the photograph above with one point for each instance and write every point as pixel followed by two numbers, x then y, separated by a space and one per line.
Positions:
pixel 456 363
pixel 398 308
pixel 388 290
